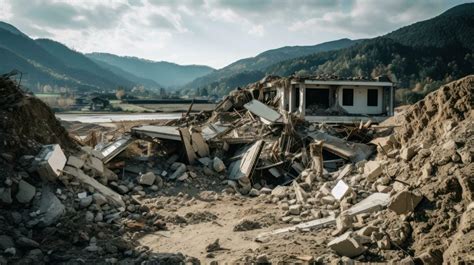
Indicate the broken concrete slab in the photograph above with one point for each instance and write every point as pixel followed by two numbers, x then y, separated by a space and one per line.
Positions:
pixel 157 132
pixel 199 144
pixel 51 160
pixel 374 202
pixel 75 161
pixel 243 168
pixel 354 152
pixel 267 114
pixel 404 202
pixel 111 150
pixel 340 190
pixel 26 192
pixel 113 197
pixel 373 170
pixel 346 245
pixel 187 142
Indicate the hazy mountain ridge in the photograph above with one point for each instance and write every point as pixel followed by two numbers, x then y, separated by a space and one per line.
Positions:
pixel 260 62
pixel 164 73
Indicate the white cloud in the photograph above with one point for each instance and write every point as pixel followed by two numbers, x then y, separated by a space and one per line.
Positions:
pixel 257 30
pixel 214 32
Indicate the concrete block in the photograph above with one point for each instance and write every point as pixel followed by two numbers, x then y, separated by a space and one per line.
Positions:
pixel 340 190
pixel 372 170
pixel 345 245
pixel 51 160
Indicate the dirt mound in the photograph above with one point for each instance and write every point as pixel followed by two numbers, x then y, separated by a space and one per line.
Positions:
pixel 26 123
pixel 437 150
pixel 443 108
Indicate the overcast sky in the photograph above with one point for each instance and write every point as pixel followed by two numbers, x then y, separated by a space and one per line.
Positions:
pixel 210 32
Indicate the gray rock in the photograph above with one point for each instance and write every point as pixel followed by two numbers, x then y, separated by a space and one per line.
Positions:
pixel 122 189
pixel 50 207
pixel 295 209
pixel 99 199
pixel 85 202
pixel 26 192
pixel 75 161
pixel 6 242
pixel 89 216
pixel 6 195
pixel 27 242
pixel 147 179
pixel 218 165
pixel 254 192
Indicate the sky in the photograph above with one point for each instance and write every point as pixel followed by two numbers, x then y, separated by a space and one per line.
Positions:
pixel 210 32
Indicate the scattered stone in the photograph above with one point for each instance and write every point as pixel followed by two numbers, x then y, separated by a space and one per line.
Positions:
pixel 26 192
pixel 343 223
pixel 27 242
pixel 372 169
pixel 345 245
pixel 218 165
pixel 6 242
pixel 85 202
pixel 122 189
pixel 50 207
pixel 295 209
pixel 6 195
pixel 147 179
pixel 254 192
pixel 99 199
pixel 408 153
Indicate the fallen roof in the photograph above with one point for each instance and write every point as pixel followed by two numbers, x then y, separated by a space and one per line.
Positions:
pixel 160 132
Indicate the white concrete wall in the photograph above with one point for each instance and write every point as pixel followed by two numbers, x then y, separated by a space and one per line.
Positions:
pixel 360 101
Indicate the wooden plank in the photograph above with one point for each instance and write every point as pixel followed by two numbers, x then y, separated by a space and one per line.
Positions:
pixel 186 140
pixel 243 168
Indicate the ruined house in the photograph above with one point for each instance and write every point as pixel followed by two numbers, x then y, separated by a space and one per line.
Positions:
pixel 334 100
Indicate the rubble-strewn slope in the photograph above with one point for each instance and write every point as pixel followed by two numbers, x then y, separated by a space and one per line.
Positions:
pixel 440 131
pixel 446 106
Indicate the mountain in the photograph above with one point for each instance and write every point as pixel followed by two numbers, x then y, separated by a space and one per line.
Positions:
pixel 454 27
pixel 45 62
pixel 437 49
pixel 255 66
pixel 164 73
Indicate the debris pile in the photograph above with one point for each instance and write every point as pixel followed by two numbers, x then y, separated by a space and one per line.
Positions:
pixel 367 192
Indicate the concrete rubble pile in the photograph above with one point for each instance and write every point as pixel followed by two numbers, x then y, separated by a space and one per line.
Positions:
pixel 366 187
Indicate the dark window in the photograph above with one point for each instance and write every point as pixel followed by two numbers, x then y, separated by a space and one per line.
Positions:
pixel 372 97
pixel 348 97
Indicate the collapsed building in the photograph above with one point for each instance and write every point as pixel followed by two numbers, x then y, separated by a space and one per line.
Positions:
pixel 309 151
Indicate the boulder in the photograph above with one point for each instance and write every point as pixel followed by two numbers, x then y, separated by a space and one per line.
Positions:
pixel 6 195
pixel 50 207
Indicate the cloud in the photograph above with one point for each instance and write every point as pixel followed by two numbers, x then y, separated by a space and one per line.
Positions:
pixel 214 32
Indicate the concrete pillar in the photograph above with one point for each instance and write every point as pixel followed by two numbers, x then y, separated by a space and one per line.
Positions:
pixel 291 99
pixel 392 112
pixel 302 99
